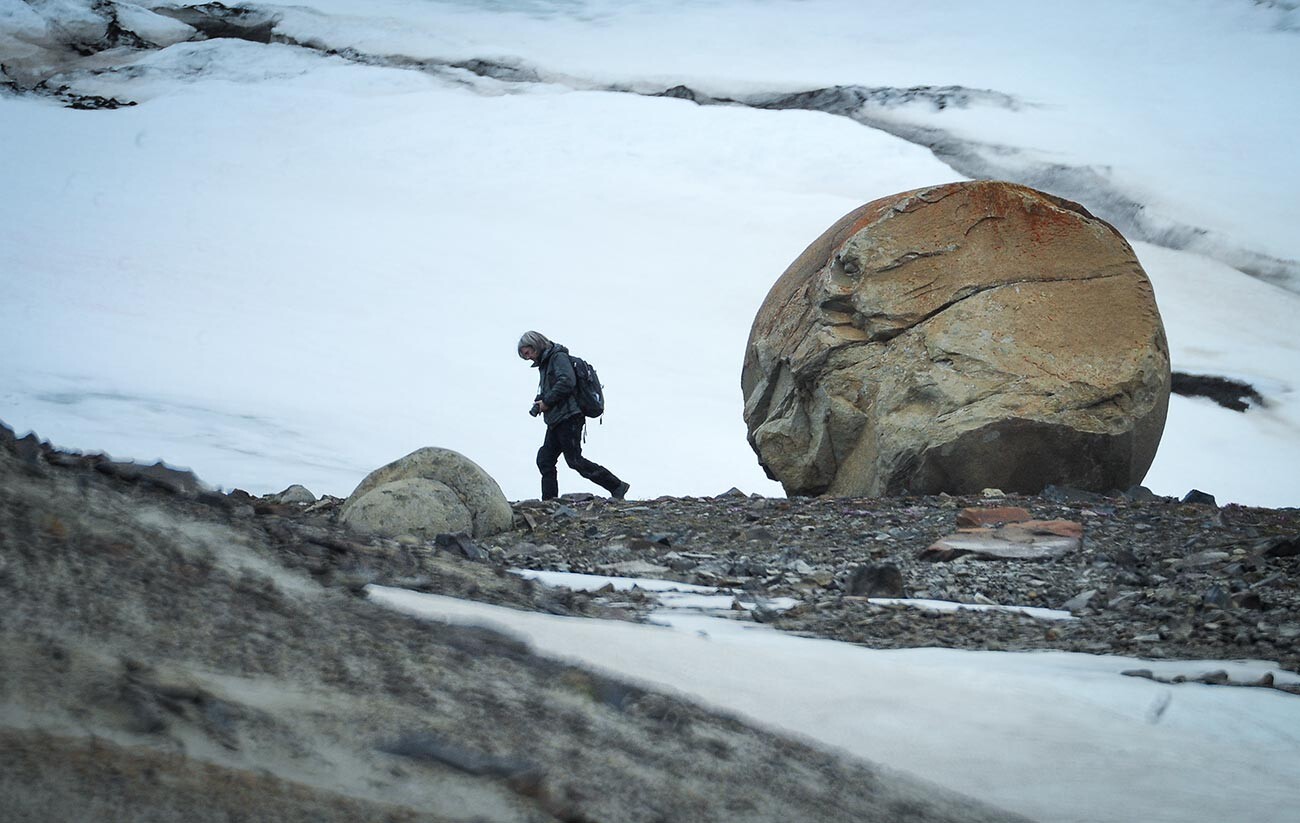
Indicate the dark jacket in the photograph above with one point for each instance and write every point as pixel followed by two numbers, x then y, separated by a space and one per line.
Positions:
pixel 557 384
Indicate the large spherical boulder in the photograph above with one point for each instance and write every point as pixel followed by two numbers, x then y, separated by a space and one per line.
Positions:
pixel 955 338
pixel 428 492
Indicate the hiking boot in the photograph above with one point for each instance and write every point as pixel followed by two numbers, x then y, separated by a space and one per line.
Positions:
pixel 620 491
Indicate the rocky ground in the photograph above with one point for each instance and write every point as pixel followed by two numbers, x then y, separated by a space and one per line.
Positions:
pixel 1153 578
pixel 172 653
pixel 163 642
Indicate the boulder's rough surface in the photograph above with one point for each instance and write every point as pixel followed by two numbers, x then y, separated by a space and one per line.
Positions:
pixel 958 337
pixel 428 492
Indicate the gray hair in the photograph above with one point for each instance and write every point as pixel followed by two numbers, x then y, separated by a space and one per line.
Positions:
pixel 535 339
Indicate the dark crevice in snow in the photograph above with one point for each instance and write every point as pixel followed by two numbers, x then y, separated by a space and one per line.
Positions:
pixel 215 20
pixel 1231 394
pixel 115 34
pixel 845 100
pixel 84 102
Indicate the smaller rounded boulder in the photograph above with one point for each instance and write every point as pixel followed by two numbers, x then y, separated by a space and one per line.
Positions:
pixel 428 492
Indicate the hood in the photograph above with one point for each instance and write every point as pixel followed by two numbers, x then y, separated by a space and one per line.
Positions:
pixel 546 356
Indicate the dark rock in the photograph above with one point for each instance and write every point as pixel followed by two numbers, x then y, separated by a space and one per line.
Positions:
pixel 91 102
pixel 215 20
pixel 64 460
pixel 1138 494
pixel 1268 581
pixel 1198 497
pixel 29 449
pixel 159 475
pixel 1248 600
pixel 460 544
pixel 877 580
pixel 1231 394
pixel 1279 546
pixel 499 71
pixel 1124 559
pixel 268 508
pixel 1066 494
pixel 1216 596
pixel 680 92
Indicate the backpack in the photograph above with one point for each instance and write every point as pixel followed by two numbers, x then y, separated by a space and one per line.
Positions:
pixel 589 394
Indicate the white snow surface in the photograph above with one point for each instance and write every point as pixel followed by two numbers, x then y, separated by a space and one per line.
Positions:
pixel 286 267
pixel 1056 736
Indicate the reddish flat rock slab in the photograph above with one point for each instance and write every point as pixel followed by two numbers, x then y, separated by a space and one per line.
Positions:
pixel 991 516
pixel 1030 540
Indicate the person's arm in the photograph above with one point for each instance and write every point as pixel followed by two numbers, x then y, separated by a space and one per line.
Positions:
pixel 563 381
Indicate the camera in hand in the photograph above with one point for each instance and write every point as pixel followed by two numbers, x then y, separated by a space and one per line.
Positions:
pixel 534 411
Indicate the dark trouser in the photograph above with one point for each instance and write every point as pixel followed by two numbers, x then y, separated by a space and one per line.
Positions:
pixel 565 438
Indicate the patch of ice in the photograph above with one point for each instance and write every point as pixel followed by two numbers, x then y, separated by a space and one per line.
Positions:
pixel 951 606
pixel 591 582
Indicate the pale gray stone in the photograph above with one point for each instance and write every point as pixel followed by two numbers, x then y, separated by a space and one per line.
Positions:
pixel 410 506
pixel 1079 601
pixel 636 568
pixel 456 482
pixel 1038 547
pixel 295 495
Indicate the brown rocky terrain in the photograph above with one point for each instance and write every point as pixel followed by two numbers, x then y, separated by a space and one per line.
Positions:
pixel 167 647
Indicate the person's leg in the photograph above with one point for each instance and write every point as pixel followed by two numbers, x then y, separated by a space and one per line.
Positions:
pixel 547 456
pixel 570 432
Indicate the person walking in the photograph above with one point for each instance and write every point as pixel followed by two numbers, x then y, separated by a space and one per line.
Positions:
pixel 558 406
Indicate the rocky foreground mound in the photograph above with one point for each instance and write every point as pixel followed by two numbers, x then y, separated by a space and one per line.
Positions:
pixel 171 653
pixel 168 652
